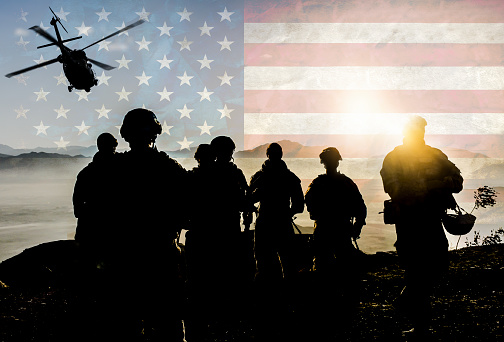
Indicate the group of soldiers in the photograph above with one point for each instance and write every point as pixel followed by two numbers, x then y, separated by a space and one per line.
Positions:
pixel 132 206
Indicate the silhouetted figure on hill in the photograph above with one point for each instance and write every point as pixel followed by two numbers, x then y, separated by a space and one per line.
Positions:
pixel 214 244
pixel 420 181
pixel 230 194
pixel 280 196
pixel 336 205
pixel 91 199
pixel 150 206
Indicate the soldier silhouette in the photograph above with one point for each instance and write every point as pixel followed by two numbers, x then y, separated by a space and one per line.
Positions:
pixel 91 201
pixel 231 189
pixel 216 257
pixel 150 200
pixel 336 205
pixel 420 181
pixel 280 196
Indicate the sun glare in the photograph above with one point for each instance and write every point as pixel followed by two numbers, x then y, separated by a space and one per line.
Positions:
pixel 363 116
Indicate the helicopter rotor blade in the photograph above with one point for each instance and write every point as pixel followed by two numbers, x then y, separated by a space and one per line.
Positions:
pixel 101 65
pixel 44 34
pixel 43 64
pixel 58 19
pixel 136 23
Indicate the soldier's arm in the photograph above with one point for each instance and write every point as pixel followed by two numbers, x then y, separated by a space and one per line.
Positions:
pixel 297 198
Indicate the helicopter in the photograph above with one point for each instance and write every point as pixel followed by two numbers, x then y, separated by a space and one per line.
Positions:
pixel 76 65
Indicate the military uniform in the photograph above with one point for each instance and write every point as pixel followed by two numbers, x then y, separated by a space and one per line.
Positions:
pixel 420 181
pixel 280 196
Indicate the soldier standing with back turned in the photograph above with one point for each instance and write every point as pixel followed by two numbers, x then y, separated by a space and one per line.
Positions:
pixel 420 181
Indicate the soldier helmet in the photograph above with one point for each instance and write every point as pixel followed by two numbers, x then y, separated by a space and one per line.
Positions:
pixel 204 152
pixel 223 143
pixel 330 154
pixel 106 141
pixel 274 151
pixel 140 123
pixel 415 123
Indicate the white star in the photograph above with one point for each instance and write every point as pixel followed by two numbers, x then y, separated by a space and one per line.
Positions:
pixel 184 44
pixel 62 143
pixel 225 112
pixel 225 15
pixel 184 79
pixel 143 44
pixel 45 28
pixel 143 79
pixel 23 15
pixel 185 112
pixel 103 79
pixel 21 42
pixel 22 78
pixel 166 128
pixel 205 29
pixel 40 60
pixel 82 95
pixel 83 128
pixel 61 79
pixel 164 29
pixel 205 94
pixel 103 15
pixel 205 62
pixel 165 63
pixel 121 27
pixel 41 129
pixel 83 29
pixel 103 112
pixel 41 95
pixel 185 144
pixel 62 14
pixel 225 44
pixel 21 112
pixel 185 15
pixel 225 79
pixel 123 62
pixel 104 45
pixel 143 15
pixel 62 112
pixel 205 129
pixel 165 95
pixel 123 94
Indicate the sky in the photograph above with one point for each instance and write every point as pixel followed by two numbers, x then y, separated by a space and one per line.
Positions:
pixel 172 64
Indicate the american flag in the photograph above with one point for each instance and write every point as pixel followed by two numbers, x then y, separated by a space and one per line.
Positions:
pixel 318 72
pixel 349 73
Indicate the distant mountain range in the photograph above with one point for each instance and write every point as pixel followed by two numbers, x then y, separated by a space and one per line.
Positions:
pixel 290 150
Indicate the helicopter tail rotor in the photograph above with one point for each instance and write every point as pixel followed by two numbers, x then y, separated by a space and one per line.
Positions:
pixel 58 19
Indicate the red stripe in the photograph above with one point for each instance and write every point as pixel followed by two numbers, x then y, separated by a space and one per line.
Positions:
pixel 368 146
pixel 384 101
pixel 325 55
pixel 377 11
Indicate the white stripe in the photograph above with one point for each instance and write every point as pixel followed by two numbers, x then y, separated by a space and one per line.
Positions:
pixel 370 123
pixel 375 33
pixel 374 78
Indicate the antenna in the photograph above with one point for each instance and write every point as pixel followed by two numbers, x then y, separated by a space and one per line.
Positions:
pixel 58 20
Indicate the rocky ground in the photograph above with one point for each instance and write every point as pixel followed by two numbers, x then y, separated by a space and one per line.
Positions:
pixel 37 303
